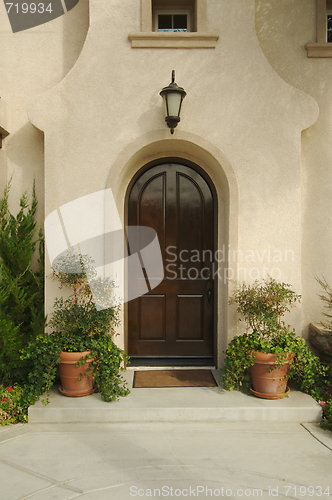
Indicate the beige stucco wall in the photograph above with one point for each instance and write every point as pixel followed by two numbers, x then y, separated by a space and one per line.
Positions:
pixel 241 121
pixel 85 115
pixel 31 62
pixel 283 38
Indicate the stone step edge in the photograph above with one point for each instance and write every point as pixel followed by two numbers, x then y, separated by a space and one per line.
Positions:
pixel 56 415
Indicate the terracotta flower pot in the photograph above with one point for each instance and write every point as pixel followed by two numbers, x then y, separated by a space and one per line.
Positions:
pixel 269 384
pixel 69 375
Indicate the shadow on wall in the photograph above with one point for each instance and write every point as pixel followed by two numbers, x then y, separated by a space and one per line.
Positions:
pixel 25 155
pixel 75 29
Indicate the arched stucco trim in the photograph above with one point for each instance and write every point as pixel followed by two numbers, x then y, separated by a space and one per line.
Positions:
pixel 156 145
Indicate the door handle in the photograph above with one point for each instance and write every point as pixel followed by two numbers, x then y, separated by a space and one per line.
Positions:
pixel 209 291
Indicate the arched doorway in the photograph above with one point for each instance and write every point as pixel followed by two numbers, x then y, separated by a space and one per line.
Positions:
pixel 174 323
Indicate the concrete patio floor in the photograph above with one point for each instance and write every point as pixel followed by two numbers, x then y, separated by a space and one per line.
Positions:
pixel 157 443
pixel 155 460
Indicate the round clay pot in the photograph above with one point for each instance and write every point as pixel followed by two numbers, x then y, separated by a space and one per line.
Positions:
pixel 269 384
pixel 69 375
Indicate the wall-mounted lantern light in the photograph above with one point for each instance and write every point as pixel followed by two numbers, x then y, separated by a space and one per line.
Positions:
pixel 173 96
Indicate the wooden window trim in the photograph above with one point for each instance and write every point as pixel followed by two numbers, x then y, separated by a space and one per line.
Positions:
pixel 321 48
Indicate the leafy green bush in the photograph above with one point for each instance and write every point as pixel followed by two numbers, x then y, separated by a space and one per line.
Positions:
pixel 327 414
pixel 10 404
pixel 21 288
pixel 326 297
pixel 263 304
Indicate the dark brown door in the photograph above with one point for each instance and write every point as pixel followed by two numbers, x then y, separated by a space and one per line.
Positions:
pixel 175 319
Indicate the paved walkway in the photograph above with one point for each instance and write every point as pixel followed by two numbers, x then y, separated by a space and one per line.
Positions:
pixel 197 460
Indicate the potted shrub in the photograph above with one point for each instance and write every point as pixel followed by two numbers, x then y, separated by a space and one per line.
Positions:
pixel 269 354
pixel 81 339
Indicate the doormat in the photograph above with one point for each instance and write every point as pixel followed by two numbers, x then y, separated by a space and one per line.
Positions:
pixel 174 378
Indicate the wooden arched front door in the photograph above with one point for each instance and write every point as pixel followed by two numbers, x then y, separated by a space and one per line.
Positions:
pixel 175 319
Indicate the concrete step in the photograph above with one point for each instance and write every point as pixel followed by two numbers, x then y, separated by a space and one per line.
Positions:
pixel 187 404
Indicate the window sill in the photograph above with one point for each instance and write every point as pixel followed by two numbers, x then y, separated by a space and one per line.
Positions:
pixel 161 40
pixel 319 49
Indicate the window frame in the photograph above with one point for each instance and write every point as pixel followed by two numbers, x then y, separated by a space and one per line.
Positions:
pixel 173 13
pixel 328 13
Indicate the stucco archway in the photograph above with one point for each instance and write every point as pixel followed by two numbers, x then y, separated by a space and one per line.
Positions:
pixel 217 166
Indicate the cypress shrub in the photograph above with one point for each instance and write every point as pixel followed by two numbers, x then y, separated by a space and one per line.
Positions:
pixel 21 287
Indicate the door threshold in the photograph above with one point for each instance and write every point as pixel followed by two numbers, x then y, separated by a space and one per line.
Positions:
pixel 165 362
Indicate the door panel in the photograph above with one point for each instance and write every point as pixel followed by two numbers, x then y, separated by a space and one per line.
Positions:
pixel 151 206
pixel 176 317
pixel 152 317
pixel 190 317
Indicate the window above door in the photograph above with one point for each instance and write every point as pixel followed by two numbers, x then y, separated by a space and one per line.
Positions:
pixel 329 26
pixel 177 16
pixel 170 22
pixel 173 24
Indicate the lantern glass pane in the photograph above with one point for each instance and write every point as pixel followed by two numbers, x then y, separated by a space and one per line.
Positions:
pixel 165 104
pixel 174 102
